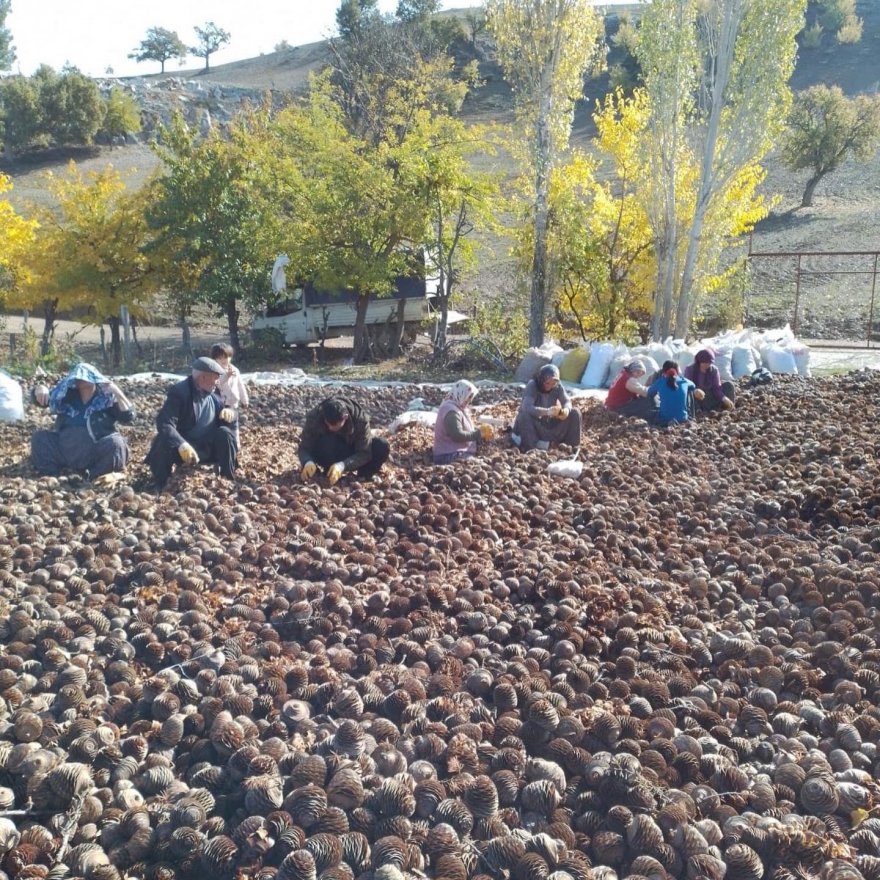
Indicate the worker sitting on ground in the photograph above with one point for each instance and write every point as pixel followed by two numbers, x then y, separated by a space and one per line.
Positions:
pixel 87 406
pixel 337 437
pixel 546 415
pixel 676 395
pixel 628 396
pixel 194 426
pixel 707 378
pixel 455 436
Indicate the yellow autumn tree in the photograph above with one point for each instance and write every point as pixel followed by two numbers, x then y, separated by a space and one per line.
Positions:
pixel 16 235
pixel 602 242
pixel 89 253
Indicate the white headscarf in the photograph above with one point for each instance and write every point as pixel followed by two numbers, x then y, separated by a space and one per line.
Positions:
pixel 463 392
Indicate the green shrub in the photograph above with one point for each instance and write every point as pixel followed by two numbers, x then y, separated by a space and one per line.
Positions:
pixel 505 323
pixel 851 32
pixel 811 37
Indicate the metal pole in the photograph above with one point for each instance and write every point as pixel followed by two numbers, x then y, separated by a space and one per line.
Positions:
pixel 797 295
pixel 871 312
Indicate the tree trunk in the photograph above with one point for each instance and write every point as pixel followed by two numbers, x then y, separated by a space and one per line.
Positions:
pixel 543 164
pixel 162 62
pixel 115 341
pixel 708 177
pixel 186 337
pixel 362 348
pixel 809 189
pixel 50 310
pixel 232 316
pixel 399 326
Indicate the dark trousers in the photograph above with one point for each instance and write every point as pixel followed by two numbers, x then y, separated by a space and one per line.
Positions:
pixel 220 448
pixel 73 447
pixel 710 402
pixel 334 448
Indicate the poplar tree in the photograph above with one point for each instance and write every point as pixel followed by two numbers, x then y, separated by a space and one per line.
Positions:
pixel 545 47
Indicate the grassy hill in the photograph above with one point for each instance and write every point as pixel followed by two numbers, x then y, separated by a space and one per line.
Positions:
pixel 843 218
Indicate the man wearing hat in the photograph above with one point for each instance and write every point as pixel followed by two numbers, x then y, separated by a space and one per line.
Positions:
pixel 193 425
pixel 546 415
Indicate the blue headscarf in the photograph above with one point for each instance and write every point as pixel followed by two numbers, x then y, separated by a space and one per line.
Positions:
pixel 100 400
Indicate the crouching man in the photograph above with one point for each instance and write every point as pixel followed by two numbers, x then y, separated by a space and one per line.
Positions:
pixel 337 437
pixel 193 425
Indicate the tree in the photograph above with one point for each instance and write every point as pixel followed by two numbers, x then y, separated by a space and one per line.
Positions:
pixel 22 114
pixel 16 235
pixel 352 15
pixel 161 45
pixel 73 109
pixel 545 48
pixel 476 24
pixel 600 235
pixel 7 50
pixel 416 10
pixel 824 128
pixel 744 52
pixel 90 251
pixel 211 38
pixel 122 115
pixel 50 109
pixel 211 214
pixel 460 201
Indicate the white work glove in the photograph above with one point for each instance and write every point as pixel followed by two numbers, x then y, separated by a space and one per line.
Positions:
pixel 726 403
pixel 227 414
pixel 41 395
pixel 487 432
pixel 699 394
pixel 553 411
pixel 308 471
pixel 334 472
pixel 106 481
pixel 187 454
pixel 564 413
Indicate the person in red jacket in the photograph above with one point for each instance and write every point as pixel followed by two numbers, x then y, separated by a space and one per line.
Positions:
pixel 628 396
pixel 705 375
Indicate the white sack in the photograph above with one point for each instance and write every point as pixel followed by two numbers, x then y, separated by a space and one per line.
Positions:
pixel 11 399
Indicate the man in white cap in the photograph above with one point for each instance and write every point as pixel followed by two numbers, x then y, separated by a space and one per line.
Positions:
pixel 193 425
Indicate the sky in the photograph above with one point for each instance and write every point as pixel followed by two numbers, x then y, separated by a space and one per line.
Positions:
pixel 96 34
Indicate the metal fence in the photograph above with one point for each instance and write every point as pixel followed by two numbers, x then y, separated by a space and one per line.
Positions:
pixel 822 294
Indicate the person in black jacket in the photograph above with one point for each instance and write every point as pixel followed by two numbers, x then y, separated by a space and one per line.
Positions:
pixel 87 406
pixel 337 437
pixel 193 425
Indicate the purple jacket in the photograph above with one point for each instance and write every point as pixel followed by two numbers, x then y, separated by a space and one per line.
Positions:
pixel 443 443
pixel 710 381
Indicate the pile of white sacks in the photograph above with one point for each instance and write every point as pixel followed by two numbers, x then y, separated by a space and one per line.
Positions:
pixel 737 353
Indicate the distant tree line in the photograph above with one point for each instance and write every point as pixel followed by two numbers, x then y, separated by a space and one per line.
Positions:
pixel 375 166
pixel 51 109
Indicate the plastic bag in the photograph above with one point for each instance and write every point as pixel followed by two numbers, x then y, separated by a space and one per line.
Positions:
pixel 573 364
pixel 596 373
pixel 723 358
pixel 414 417
pixel 801 355
pixel 743 361
pixel 568 467
pixel 779 359
pixel 11 399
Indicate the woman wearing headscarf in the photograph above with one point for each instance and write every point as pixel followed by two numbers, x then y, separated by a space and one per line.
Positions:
pixel 455 435
pixel 706 377
pixel 546 415
pixel 675 393
pixel 628 396
pixel 87 406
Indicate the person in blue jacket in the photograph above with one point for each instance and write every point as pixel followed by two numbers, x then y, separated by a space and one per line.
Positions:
pixel 675 393
pixel 87 407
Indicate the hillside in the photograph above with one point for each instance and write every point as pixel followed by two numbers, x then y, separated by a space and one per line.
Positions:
pixel 844 216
